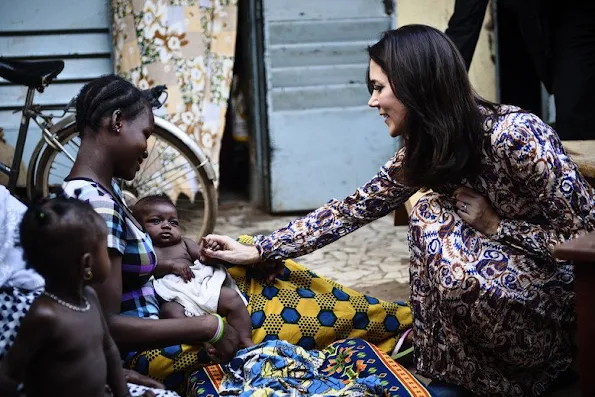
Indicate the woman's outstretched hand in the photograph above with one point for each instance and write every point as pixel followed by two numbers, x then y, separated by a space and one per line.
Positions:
pixel 223 248
pixel 476 210
pixel 226 249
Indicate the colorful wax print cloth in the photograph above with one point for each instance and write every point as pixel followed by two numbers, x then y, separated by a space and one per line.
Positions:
pixel 350 367
pixel 279 369
pixel 299 307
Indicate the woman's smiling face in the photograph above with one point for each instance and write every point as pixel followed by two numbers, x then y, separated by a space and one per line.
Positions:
pixel 383 98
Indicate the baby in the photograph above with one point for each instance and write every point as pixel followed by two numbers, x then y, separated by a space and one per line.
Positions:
pixel 63 347
pixel 189 288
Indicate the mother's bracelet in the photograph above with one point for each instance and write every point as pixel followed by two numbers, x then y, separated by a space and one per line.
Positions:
pixel 219 333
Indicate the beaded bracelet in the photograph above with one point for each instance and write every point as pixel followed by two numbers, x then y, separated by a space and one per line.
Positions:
pixel 219 333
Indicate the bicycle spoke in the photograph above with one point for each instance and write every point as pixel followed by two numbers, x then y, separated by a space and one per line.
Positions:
pixel 156 158
pixel 62 150
pixel 53 167
pixel 168 183
pixel 69 166
pixel 58 177
pixel 182 167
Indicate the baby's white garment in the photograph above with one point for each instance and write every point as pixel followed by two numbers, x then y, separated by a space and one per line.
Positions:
pixel 201 294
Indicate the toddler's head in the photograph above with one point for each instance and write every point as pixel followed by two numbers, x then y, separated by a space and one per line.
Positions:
pixel 159 216
pixel 65 240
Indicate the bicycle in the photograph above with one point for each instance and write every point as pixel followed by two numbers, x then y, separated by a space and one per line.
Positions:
pixel 175 162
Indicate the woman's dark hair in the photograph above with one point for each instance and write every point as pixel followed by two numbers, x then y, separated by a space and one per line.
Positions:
pixel 58 231
pixel 444 131
pixel 102 96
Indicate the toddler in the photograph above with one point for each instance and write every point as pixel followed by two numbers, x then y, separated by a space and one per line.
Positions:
pixel 189 287
pixel 63 347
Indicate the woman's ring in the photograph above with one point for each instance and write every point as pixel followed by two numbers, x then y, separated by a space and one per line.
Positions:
pixel 464 207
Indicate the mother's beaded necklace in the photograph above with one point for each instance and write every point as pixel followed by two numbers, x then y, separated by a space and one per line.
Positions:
pixel 85 308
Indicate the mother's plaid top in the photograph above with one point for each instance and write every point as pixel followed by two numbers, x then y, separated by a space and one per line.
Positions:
pixel 135 246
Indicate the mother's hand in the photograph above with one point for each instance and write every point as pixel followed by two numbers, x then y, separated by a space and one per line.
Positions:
pixel 269 270
pixel 224 350
pixel 476 210
pixel 227 249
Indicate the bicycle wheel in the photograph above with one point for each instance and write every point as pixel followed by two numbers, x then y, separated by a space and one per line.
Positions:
pixel 172 168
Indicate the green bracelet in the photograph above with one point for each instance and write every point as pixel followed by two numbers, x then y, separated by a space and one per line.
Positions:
pixel 219 333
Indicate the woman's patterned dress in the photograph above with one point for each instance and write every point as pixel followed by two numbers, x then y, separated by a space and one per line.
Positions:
pixel 494 314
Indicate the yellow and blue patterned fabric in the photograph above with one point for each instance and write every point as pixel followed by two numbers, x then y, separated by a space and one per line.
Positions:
pixel 351 367
pixel 299 307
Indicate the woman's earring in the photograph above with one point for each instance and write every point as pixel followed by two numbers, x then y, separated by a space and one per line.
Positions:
pixel 116 129
pixel 88 275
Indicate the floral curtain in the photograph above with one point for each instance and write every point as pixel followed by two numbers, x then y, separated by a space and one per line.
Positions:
pixel 189 46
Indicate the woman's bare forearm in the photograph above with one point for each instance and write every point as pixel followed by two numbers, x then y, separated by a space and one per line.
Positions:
pixel 132 334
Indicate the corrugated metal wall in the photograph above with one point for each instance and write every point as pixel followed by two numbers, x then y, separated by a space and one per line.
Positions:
pixel 77 31
pixel 324 140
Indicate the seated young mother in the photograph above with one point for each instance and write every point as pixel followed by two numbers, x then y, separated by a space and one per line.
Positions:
pixel 492 309
pixel 115 122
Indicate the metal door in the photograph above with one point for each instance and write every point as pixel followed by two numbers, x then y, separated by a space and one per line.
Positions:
pixel 323 139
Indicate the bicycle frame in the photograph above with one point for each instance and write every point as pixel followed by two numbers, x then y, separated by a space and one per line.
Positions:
pixel 29 112
pixel 13 171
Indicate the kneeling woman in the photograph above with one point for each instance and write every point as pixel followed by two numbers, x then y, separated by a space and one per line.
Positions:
pixel 493 310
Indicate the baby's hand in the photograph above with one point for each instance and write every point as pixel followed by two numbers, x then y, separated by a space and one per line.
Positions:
pixel 208 245
pixel 182 270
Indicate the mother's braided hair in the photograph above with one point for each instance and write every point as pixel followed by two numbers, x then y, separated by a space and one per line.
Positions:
pixel 102 96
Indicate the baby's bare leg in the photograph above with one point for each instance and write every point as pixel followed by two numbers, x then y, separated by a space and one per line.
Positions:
pixel 233 307
pixel 171 310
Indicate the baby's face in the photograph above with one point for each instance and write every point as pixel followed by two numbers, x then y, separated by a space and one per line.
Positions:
pixel 161 222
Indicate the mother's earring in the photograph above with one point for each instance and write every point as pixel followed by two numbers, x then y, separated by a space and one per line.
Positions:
pixel 88 275
pixel 117 121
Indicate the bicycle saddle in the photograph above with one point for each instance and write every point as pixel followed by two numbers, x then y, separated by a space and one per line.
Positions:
pixel 34 74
